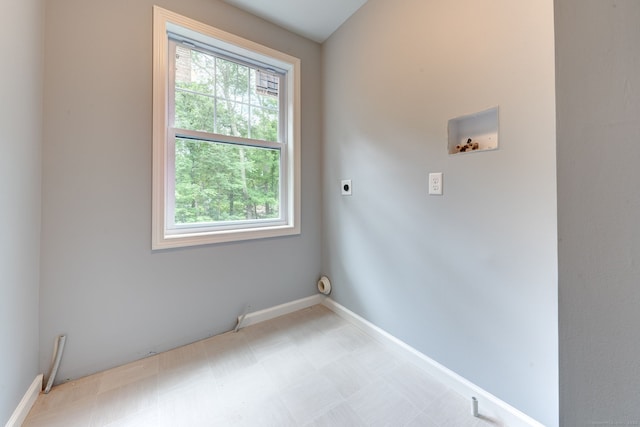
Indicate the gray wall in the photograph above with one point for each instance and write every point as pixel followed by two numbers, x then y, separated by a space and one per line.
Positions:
pixel 598 105
pixel 468 278
pixel 101 283
pixel 20 144
pixel 473 271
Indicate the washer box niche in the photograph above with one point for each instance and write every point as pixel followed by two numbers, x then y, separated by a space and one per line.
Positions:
pixel 474 132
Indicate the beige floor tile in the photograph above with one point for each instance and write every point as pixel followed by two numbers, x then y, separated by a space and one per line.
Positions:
pixel 265 339
pixel 251 385
pixel 324 319
pixel 338 416
pixel 380 405
pixel 173 381
pixel 183 358
pixel 129 373
pixel 76 414
pixel 228 353
pixel 350 337
pixel 287 367
pixel 348 375
pixel 269 411
pixel 66 394
pixel 321 350
pixel 310 397
pixel 226 343
pixel 423 420
pixel 302 325
pixel 149 417
pixel 195 406
pixel 183 367
pixel 127 400
pixel 176 386
pixel 417 386
pixel 376 359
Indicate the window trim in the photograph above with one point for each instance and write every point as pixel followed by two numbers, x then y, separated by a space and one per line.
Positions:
pixel 165 22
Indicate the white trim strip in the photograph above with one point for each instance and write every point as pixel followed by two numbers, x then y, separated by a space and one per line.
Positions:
pixel 490 407
pixel 25 405
pixel 280 310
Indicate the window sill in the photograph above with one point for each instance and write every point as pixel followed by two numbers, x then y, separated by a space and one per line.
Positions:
pixel 222 236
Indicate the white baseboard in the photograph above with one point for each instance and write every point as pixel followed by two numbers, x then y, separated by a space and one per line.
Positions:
pixel 490 407
pixel 280 310
pixel 25 405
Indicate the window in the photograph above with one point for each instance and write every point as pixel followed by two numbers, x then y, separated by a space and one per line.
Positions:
pixel 225 136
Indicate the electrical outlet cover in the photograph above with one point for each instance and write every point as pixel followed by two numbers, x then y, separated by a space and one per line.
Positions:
pixel 435 183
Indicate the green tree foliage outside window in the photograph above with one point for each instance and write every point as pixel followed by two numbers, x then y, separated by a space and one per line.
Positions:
pixel 219 181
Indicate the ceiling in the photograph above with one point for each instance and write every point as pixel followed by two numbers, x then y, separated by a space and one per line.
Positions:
pixel 314 19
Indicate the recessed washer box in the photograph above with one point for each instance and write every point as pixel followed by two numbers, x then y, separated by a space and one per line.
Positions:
pixel 474 132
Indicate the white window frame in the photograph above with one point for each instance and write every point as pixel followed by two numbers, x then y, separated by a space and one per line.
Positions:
pixel 164 233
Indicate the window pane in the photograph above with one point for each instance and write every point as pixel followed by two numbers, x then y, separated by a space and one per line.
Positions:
pixel 195 70
pixel 223 182
pixel 232 81
pixel 265 89
pixel 232 119
pixel 194 111
pixel 264 124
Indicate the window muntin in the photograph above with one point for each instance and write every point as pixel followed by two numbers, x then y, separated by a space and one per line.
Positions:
pixel 227 166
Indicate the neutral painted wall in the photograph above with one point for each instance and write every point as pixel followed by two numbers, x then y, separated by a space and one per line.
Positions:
pixel 468 278
pixel 20 144
pixel 101 284
pixel 598 105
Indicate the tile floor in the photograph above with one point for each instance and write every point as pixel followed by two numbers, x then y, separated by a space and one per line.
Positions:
pixel 308 368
